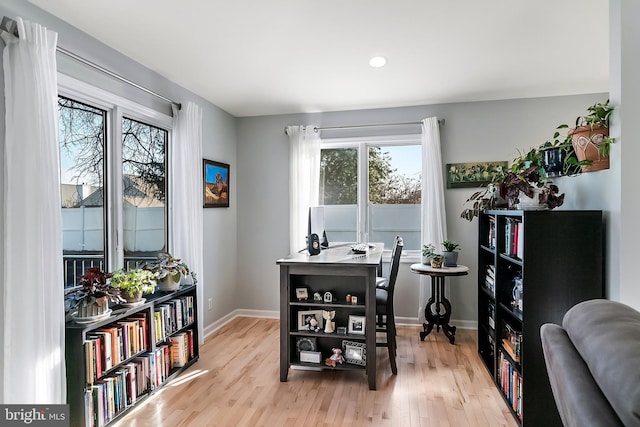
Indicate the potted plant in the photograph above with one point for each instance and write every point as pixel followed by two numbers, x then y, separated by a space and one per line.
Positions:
pixel 91 298
pixel 483 199
pixel 170 271
pixel 524 186
pixel 431 256
pixel 134 283
pixel 450 254
pixel 590 137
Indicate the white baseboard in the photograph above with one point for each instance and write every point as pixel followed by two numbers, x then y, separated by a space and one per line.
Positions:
pixel 263 314
pixel 271 314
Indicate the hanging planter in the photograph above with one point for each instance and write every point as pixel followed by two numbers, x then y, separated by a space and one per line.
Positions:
pixel 587 142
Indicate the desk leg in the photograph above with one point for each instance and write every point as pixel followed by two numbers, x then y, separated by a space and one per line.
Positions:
pixel 428 316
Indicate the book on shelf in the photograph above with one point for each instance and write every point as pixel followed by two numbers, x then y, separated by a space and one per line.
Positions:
pixel 508 346
pixel 491 238
pixel 514 238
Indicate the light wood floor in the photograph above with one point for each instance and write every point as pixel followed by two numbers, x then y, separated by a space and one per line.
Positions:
pixel 236 383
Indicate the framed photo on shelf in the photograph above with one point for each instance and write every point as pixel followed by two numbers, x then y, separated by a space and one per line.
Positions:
pixel 216 184
pixel 302 294
pixel 310 320
pixel 354 352
pixel 356 324
pixel 305 344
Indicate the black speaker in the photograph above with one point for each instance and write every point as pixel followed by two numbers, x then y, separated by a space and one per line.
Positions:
pixel 314 244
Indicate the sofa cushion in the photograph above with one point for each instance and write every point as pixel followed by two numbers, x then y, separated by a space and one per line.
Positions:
pixel 579 400
pixel 606 334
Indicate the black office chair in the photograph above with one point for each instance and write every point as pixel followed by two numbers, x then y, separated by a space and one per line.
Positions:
pixel 381 281
pixel 384 306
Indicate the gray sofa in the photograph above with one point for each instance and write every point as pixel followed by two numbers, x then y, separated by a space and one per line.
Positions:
pixel 593 362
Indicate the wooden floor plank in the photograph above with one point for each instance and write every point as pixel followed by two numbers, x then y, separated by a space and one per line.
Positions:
pixel 236 383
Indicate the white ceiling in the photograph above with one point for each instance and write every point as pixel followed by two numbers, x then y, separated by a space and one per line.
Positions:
pixel 263 57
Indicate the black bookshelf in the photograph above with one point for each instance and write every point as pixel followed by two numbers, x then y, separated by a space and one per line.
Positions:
pixel 559 257
pixel 76 335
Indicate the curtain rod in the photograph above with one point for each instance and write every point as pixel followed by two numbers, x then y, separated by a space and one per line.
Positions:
pixel 318 129
pixel 11 26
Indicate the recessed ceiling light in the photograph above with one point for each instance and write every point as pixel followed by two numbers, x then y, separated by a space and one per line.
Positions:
pixel 378 61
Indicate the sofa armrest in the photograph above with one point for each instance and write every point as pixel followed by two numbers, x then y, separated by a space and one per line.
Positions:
pixel 579 400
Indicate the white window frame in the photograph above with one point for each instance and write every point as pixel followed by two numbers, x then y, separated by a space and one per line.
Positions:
pixel 362 144
pixel 116 108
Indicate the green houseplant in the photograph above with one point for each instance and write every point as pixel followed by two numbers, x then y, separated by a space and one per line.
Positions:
pixel 91 298
pixel 431 256
pixel 450 253
pixel 170 271
pixel 134 283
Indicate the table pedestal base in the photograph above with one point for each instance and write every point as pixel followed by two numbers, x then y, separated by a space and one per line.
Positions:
pixel 437 319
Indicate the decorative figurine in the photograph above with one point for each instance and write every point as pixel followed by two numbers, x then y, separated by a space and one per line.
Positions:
pixel 348 298
pixel 317 296
pixel 335 358
pixel 354 300
pixel 328 297
pixel 313 325
pixel 329 324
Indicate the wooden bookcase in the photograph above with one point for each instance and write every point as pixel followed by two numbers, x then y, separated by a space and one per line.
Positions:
pixel 144 360
pixel 558 255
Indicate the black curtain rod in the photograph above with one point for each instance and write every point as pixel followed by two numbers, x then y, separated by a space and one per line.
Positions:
pixel 318 129
pixel 11 26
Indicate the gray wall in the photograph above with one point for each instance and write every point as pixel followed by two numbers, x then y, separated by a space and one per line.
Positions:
pixel 478 131
pixel 218 134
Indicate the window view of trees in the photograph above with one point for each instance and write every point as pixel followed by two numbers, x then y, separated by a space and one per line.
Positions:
pixel 394 193
pixel 83 131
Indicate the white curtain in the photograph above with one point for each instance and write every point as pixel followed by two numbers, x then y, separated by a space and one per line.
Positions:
pixel 434 218
pixel 33 362
pixel 304 181
pixel 186 193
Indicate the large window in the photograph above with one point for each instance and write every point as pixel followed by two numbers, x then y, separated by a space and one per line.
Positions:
pixel 371 190
pixel 113 183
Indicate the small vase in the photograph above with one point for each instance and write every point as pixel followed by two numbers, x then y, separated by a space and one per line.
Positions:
pixel 168 283
pixel 450 258
pixel 136 297
pixel 96 309
pixel 436 263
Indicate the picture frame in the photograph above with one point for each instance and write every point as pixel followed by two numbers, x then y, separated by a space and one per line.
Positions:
pixel 215 184
pixel 357 324
pixel 302 294
pixel 354 352
pixel 305 344
pixel 304 318
pixel 474 174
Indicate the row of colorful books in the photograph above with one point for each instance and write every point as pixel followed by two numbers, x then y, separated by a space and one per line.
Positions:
pixel 172 316
pixel 514 238
pixel 491 238
pixel 109 346
pixel 490 279
pixel 510 384
pixel 106 397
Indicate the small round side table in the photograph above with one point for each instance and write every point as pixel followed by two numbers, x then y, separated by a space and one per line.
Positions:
pixel 438 299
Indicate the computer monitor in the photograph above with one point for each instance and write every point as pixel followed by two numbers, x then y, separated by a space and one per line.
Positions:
pixel 316 224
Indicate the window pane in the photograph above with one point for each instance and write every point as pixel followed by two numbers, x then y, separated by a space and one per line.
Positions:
pixel 395 194
pixel 144 190
pixel 82 130
pixel 339 193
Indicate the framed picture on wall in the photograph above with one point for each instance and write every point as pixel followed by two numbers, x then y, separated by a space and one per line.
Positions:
pixel 475 174
pixel 216 184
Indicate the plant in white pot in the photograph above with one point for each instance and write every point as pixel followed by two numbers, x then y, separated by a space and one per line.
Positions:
pixel 170 271
pixel 450 253
pixel 134 283
pixel 91 298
